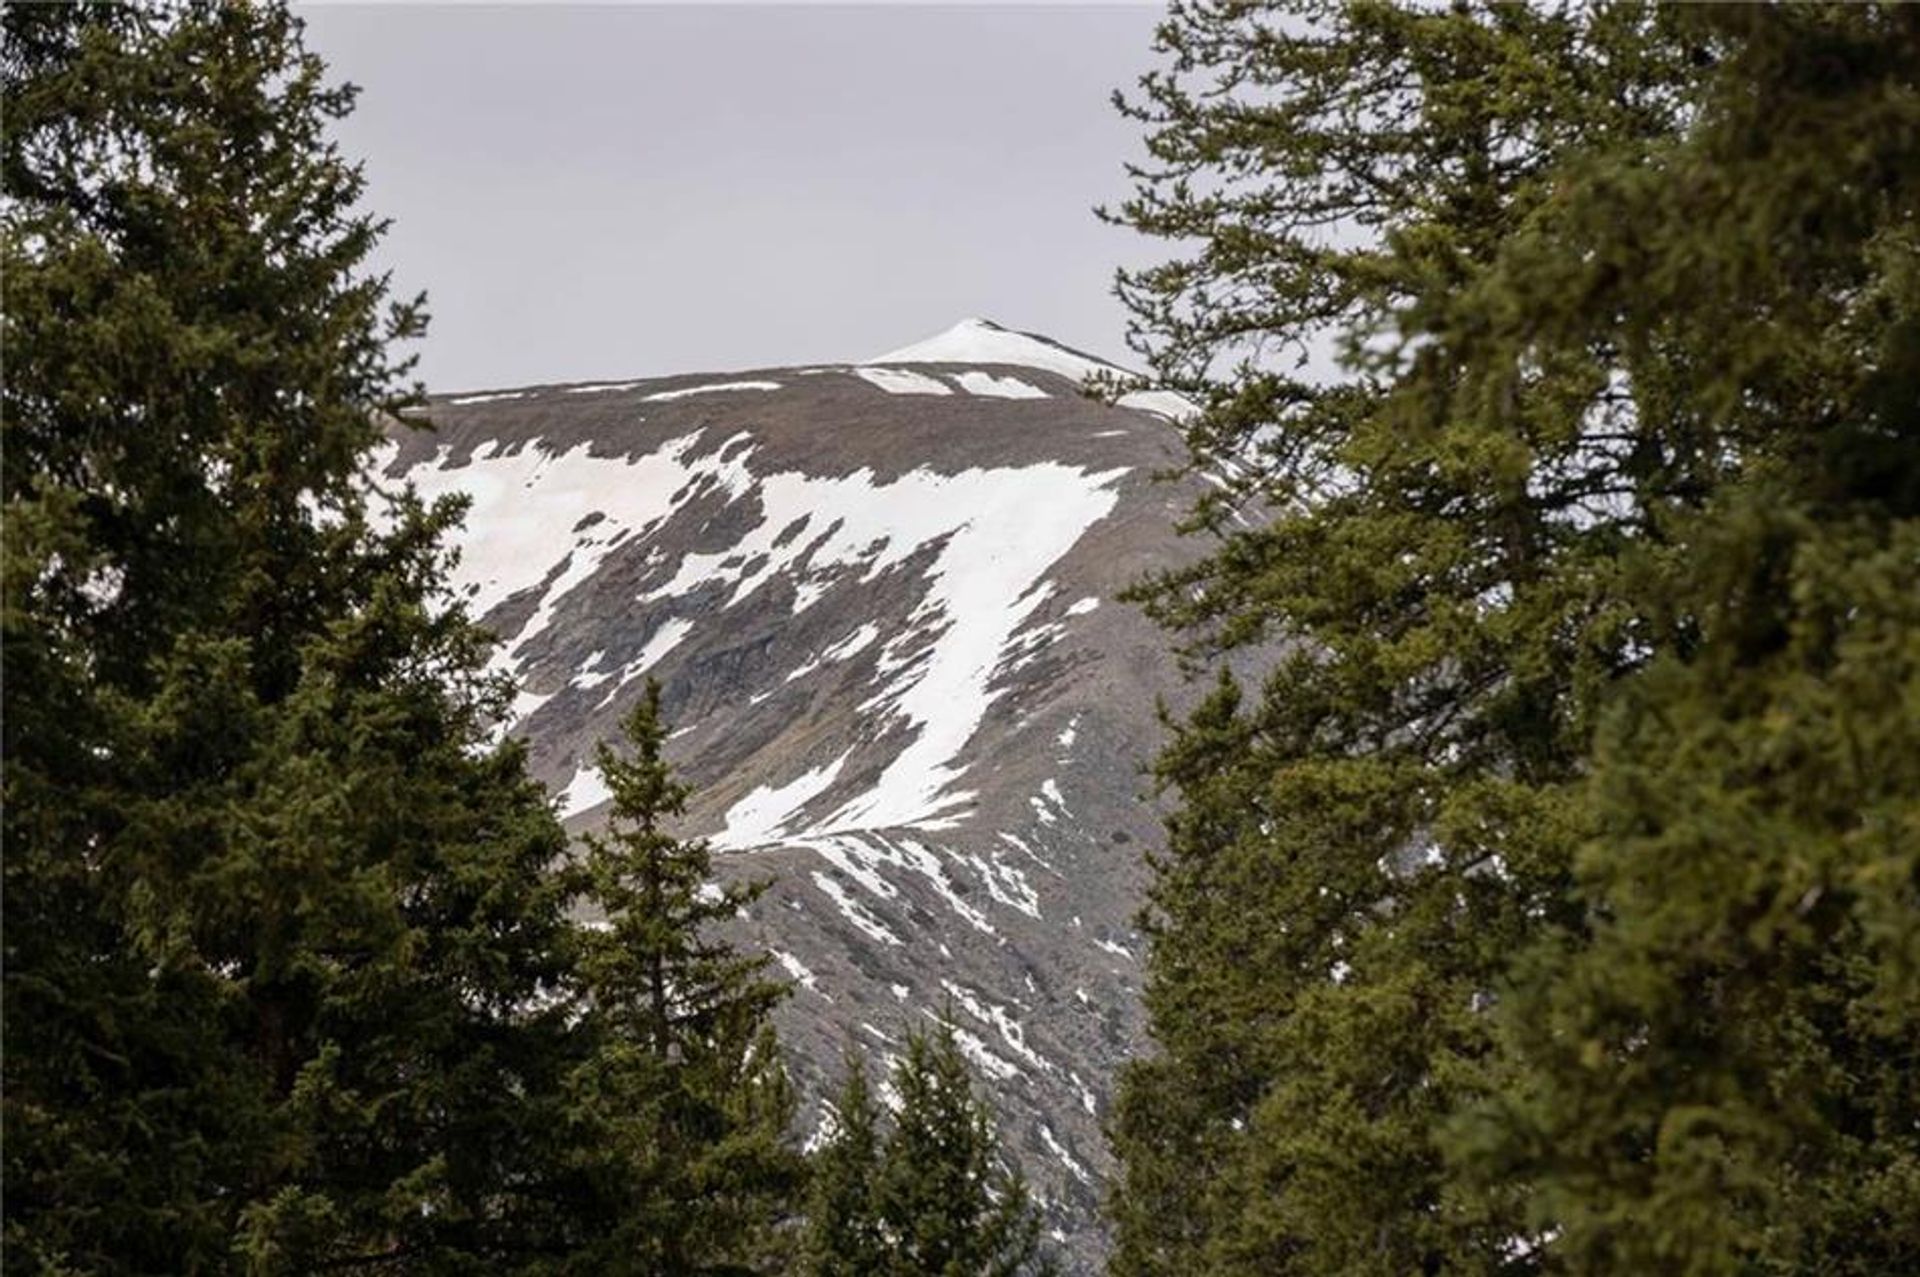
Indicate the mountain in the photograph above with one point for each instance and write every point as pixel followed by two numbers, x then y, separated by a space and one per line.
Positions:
pixel 880 599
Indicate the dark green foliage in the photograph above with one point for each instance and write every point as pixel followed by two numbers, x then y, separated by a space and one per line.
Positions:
pixel 1717 1075
pixel 291 978
pixel 1520 919
pixel 681 1113
pixel 930 1198
pixel 275 913
pixel 844 1234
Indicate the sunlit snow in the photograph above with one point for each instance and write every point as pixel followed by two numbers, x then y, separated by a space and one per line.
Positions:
pixel 980 341
pixel 845 648
pixel 985 383
pixel 585 791
pixel 799 971
pixel 711 388
pixel 495 397
pixel 762 816
pixel 982 1056
pixel 664 640
pixel 1011 1031
pixel 603 388
pixel 854 911
pixel 524 705
pixel 528 507
pixel 1162 403
pixel 902 381
pixel 1074 1168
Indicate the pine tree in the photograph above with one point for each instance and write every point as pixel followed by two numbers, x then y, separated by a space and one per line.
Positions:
pixel 684 1109
pixel 1362 839
pixel 288 953
pixel 934 1196
pixel 1603 285
pixel 1713 1072
pixel 844 1236
pixel 947 1203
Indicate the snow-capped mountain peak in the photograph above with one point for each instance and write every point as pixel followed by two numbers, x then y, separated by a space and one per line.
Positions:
pixel 981 341
pixel 878 599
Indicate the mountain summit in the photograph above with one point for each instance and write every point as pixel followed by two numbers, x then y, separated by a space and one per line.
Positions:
pixel 879 599
pixel 981 341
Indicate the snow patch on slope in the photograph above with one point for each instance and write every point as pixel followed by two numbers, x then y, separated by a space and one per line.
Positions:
pixel 761 817
pixel 1011 1031
pixel 853 911
pixel 901 381
pixel 845 649
pixel 494 397
pixel 984 538
pixel 664 396
pixel 529 506
pixel 985 383
pixel 866 857
pixel 664 640
pixel 1170 404
pixel 603 387
pixel 800 972
pixel 1054 1146
pixel 1013 525
pixel 587 790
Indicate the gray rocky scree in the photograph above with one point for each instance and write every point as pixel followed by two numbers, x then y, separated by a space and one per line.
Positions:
pixel 880 600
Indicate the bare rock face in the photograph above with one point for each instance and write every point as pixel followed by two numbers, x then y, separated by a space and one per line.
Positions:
pixel 880 600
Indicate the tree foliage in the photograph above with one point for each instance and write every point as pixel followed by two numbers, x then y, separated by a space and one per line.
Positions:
pixel 1548 904
pixel 845 1236
pixel 931 1195
pixel 683 1107
pixel 292 979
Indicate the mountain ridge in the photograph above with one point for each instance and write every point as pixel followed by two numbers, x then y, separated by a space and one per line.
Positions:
pixel 878 596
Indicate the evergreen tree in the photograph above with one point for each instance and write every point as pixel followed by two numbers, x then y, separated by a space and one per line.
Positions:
pixel 946 1202
pixel 1603 287
pixel 1714 1070
pixel 683 1111
pixel 933 1198
pixel 844 1236
pixel 291 982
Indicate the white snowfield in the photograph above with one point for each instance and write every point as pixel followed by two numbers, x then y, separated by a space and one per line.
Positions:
pixel 603 387
pixel 546 521
pixel 981 341
pixel 493 397
pixel 903 381
pixel 985 383
pixel 1170 404
pixel 585 791
pixel 762 816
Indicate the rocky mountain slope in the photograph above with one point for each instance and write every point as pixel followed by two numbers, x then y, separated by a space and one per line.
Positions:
pixel 879 597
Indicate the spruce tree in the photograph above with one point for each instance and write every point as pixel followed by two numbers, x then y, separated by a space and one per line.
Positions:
pixel 934 1197
pixel 947 1202
pixel 289 961
pixel 1619 305
pixel 1362 836
pixel 1713 1071
pixel 844 1236
pixel 682 1112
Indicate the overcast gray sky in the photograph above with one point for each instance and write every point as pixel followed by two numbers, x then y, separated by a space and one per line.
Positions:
pixel 604 192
